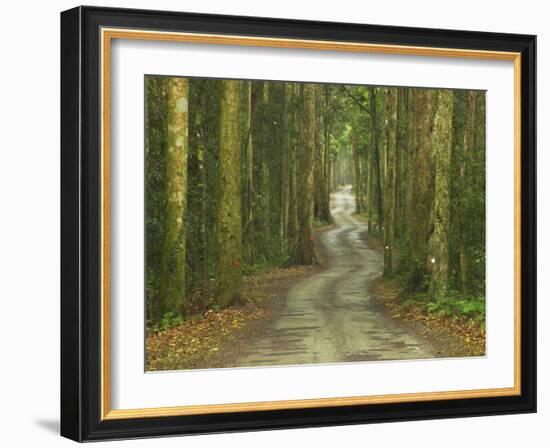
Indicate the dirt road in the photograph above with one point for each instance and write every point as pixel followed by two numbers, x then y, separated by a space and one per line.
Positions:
pixel 329 317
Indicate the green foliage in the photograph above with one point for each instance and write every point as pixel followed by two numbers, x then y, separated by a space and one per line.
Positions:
pixel 451 306
pixel 454 304
pixel 167 321
pixel 318 223
pixel 252 269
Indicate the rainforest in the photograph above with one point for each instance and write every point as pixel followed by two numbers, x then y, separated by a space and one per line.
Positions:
pixel 303 223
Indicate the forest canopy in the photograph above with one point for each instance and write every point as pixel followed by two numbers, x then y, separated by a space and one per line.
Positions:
pixel 239 173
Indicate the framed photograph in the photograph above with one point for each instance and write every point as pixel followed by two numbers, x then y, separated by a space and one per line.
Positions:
pixel 272 223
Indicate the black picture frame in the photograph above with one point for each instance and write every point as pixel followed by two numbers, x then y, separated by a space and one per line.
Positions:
pixel 81 224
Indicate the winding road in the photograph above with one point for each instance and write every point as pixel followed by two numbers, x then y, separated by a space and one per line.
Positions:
pixel 329 317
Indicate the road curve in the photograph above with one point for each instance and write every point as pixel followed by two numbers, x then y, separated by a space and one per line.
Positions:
pixel 329 317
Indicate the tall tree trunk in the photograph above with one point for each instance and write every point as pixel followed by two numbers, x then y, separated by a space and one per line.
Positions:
pixel 275 161
pixel 358 178
pixel 229 232
pixel 390 187
pixel 327 164
pixel 376 160
pixel 155 150
pixel 330 175
pixel 321 196
pixel 371 193
pixel 409 168
pixel 400 149
pixel 292 234
pixel 411 158
pixel 335 173
pixel 264 190
pixel 248 250
pixel 196 221
pixel 285 168
pixel 304 253
pixel 464 176
pixel 421 172
pixel 172 292
pixel 327 153
pixel 442 144
pixel 477 230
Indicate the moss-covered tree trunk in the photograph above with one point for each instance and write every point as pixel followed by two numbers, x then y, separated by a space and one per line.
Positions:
pixel 322 178
pixel 292 226
pixel 455 226
pixel 370 205
pixel 376 160
pixel 400 153
pixel 328 123
pixel 155 191
pixel 321 195
pixel 172 287
pixel 335 170
pixel 196 220
pixel 410 159
pixel 466 188
pixel 285 168
pixel 329 163
pixel 421 216
pixel 263 202
pixel 357 178
pixel 409 168
pixel 390 187
pixel 275 161
pixel 229 231
pixel 248 250
pixel 477 230
pixel 442 146
pixel 304 250
pixel 291 116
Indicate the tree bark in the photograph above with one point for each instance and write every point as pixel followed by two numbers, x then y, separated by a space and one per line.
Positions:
pixel 196 233
pixel 248 240
pixel 358 178
pixel 400 149
pixel 421 196
pixel 442 144
pixel 285 167
pixel 229 232
pixel 390 187
pixel 321 190
pixel 479 194
pixel 464 176
pixel 155 150
pixel 304 253
pixel 376 160
pixel 292 233
pixel 172 288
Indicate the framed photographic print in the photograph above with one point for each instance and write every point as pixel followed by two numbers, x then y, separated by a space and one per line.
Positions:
pixel 272 223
